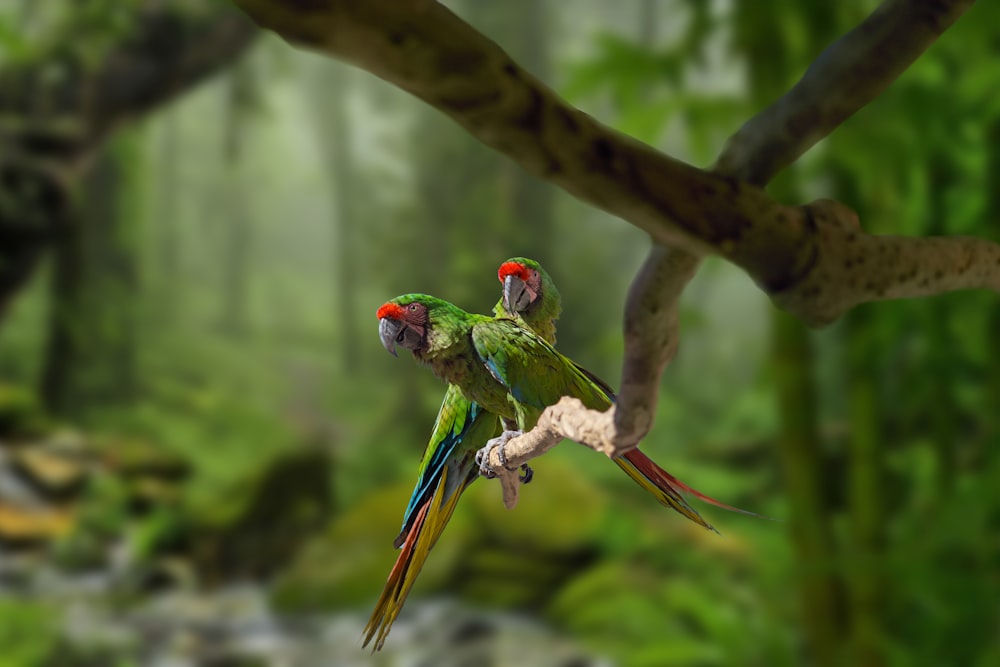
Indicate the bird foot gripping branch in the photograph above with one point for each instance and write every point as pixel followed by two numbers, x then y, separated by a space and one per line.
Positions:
pixel 489 471
pixel 567 419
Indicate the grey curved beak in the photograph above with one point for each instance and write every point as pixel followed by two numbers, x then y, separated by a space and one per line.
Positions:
pixel 515 294
pixel 388 330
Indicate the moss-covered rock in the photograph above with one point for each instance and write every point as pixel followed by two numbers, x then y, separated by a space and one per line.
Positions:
pixel 487 554
pixel 21 414
pixel 348 563
pixel 53 474
pixel 29 527
pixel 562 513
pixel 137 457
pixel 256 527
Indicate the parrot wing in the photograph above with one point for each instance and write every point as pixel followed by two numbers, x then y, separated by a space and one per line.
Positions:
pixel 531 370
pixel 448 469
pixel 456 418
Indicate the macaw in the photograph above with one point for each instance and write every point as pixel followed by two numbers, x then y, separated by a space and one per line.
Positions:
pixel 507 370
pixel 449 464
pixel 448 467
pixel 529 295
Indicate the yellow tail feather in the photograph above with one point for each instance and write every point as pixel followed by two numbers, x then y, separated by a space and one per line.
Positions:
pixel 665 495
pixel 426 529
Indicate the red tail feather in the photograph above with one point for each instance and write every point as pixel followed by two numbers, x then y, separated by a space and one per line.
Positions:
pixel 655 472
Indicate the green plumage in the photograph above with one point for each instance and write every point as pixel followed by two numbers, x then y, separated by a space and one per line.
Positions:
pixel 496 367
pixel 499 364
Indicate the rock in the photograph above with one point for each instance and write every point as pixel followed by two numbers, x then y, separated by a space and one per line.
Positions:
pixel 22 527
pixel 347 564
pixel 54 475
pixel 487 554
pixel 135 457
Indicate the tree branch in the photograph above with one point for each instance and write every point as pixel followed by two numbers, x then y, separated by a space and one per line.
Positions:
pixel 814 260
pixel 423 48
pixel 849 74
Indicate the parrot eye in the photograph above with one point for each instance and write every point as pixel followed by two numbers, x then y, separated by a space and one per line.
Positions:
pixel 413 307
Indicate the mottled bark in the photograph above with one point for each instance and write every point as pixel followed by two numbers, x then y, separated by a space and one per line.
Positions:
pixel 845 260
pixel 806 257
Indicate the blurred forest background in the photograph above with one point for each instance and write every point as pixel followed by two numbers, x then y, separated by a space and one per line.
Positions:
pixel 205 452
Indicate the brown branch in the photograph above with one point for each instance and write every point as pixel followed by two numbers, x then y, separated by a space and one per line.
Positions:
pixel 849 74
pixel 651 338
pixel 814 260
pixel 423 48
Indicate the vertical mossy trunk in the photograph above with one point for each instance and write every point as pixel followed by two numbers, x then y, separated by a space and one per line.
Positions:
pixel 238 221
pixel 992 213
pixel 945 419
pixel 771 47
pixel 168 230
pixel 866 505
pixel 799 448
pixel 335 135
pixel 92 352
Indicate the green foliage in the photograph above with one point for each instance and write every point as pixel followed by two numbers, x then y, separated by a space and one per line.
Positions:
pixel 432 210
pixel 28 632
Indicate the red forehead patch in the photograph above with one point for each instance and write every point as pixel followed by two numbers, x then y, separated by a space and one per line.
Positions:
pixel 391 310
pixel 512 269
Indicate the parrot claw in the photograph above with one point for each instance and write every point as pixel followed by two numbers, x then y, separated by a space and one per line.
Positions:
pixel 483 456
pixel 527 474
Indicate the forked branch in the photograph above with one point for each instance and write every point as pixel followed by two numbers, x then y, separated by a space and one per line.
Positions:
pixel 814 260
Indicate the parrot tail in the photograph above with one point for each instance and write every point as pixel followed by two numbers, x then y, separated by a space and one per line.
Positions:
pixel 667 484
pixel 648 475
pixel 668 488
pixel 427 527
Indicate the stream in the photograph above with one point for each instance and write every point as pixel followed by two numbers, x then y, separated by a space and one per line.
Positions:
pixel 234 627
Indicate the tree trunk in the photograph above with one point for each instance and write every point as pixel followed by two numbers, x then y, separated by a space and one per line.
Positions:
pixel 91 356
pixel 799 448
pixel 992 213
pixel 334 129
pixel 166 219
pixel 238 221
pixel 865 477
pixel 945 417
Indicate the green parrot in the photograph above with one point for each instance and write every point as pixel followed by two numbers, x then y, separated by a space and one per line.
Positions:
pixel 509 371
pixel 448 467
pixel 449 462
pixel 530 296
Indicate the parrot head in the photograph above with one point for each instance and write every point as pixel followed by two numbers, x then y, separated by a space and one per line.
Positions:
pixel 526 286
pixel 403 321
